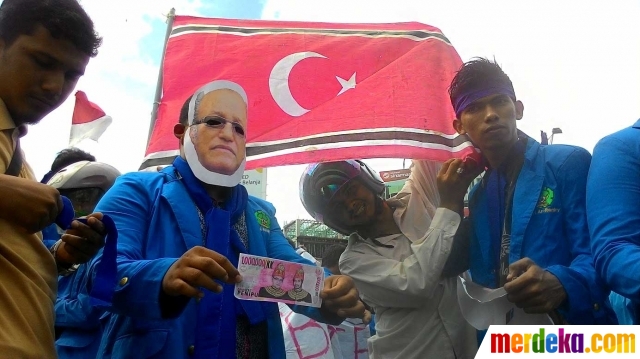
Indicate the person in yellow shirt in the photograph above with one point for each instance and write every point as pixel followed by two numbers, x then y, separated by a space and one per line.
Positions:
pixel 45 46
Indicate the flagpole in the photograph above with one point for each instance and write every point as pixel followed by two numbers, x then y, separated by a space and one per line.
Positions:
pixel 156 100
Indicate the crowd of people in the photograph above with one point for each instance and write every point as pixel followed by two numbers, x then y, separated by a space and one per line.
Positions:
pixel 557 228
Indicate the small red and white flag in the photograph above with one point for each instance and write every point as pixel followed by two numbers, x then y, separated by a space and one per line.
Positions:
pixel 89 121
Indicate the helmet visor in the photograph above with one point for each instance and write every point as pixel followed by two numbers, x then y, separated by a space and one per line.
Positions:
pixel 330 183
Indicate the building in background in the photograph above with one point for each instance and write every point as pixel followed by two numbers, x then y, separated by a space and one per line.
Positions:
pixel 313 235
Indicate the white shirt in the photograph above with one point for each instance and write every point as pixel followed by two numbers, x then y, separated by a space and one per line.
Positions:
pixel 417 312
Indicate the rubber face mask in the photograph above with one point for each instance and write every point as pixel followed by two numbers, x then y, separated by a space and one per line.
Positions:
pixel 191 156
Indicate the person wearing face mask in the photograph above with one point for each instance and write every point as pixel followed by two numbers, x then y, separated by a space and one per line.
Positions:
pixel 78 327
pixel 180 233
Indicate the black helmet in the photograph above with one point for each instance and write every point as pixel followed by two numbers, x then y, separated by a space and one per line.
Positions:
pixel 320 182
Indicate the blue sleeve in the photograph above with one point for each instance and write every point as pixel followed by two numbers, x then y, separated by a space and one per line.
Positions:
pixel 613 203
pixel 73 308
pixel 579 277
pixel 278 247
pixel 138 292
pixel 50 235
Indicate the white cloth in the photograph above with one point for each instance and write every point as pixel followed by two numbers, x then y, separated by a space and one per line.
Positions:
pixel 417 312
pixel 304 338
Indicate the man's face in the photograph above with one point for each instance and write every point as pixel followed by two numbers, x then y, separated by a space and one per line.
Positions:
pixel 38 73
pixel 353 205
pixel 277 282
pixel 490 122
pixel 297 283
pixel 220 150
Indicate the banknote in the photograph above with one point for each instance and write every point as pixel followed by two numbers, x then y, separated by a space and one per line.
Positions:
pixel 274 280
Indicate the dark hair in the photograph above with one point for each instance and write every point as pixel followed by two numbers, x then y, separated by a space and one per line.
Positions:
pixel 69 156
pixel 184 111
pixel 475 74
pixel 64 19
pixel 331 256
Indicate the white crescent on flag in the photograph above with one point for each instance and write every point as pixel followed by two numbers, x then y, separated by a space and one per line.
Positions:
pixel 89 121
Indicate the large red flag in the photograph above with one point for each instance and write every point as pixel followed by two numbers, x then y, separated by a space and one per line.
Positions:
pixel 318 91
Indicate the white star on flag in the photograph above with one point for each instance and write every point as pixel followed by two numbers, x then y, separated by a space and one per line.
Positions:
pixel 346 84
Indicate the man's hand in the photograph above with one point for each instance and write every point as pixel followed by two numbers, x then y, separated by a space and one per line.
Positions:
pixel 340 297
pixel 532 288
pixel 453 181
pixel 82 241
pixel 28 204
pixel 198 268
pixel 366 319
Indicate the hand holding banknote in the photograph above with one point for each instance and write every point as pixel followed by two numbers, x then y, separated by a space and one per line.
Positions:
pixel 198 268
pixel 340 297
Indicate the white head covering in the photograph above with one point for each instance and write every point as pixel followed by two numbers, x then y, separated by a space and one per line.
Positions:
pixel 201 173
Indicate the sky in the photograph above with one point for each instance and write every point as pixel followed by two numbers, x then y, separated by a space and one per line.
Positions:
pixel 574 64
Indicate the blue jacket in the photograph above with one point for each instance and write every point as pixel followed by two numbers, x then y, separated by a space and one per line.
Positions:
pixel 157 223
pixel 553 233
pixel 613 208
pixel 50 235
pixel 77 322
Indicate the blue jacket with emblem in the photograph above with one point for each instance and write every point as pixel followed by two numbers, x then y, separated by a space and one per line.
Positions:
pixel 613 208
pixel 157 223
pixel 553 233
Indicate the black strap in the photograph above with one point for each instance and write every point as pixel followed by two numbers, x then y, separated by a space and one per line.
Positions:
pixel 505 239
pixel 16 162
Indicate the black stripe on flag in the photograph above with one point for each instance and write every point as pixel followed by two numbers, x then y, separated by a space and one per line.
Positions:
pixel 355 137
pixel 369 33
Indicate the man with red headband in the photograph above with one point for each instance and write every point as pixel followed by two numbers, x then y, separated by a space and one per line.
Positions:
pixel 528 220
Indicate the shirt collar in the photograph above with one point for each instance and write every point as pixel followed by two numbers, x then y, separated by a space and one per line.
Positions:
pixel 6 123
pixel 355 237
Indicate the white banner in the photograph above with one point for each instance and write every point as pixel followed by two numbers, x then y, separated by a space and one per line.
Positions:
pixel 255 181
pixel 305 338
